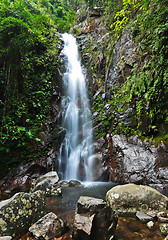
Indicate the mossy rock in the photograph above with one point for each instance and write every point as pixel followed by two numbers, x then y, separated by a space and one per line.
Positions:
pixel 18 213
pixel 130 198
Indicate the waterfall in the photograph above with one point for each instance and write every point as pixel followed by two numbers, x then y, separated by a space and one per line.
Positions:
pixel 76 149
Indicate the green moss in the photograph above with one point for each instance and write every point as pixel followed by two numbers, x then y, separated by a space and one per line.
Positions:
pixel 160 139
pixel 145 90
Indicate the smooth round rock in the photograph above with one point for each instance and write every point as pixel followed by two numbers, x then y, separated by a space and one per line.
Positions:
pixel 130 198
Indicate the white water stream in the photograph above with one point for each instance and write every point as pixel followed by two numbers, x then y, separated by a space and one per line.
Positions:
pixel 74 161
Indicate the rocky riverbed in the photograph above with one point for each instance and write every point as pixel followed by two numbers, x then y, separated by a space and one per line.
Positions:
pixel 69 210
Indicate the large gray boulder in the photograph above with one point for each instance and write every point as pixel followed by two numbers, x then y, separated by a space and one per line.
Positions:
pixel 47 183
pixel 139 162
pixel 94 220
pixel 18 213
pixel 48 227
pixel 52 176
pixel 130 198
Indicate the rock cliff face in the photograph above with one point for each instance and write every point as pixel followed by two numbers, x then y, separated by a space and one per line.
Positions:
pixel 121 159
pixel 138 162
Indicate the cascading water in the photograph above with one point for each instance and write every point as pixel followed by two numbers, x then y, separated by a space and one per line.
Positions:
pixel 74 162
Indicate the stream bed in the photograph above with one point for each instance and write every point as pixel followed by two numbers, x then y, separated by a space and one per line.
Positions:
pixel 128 228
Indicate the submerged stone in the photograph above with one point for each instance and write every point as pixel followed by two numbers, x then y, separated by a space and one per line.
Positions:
pixel 73 183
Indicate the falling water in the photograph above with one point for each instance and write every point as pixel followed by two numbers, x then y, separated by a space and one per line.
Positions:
pixel 74 161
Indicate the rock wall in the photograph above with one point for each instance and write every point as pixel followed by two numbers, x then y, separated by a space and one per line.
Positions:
pixel 119 158
pixel 134 161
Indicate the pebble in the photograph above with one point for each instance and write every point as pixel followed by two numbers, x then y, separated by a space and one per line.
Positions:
pixel 143 217
pixel 150 224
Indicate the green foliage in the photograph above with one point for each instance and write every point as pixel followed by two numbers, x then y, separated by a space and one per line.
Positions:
pixel 28 61
pixel 92 3
pixel 146 89
pixel 104 119
pixel 122 13
pixel 63 13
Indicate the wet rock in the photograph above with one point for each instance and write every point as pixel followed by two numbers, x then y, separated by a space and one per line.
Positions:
pixel 81 171
pixel 138 162
pixel 98 145
pixel 42 185
pixel 83 225
pixel 44 137
pixel 89 204
pixel 48 184
pixel 48 227
pixel 126 117
pixel 99 169
pixel 23 176
pixel 20 209
pixel 64 184
pixel 104 225
pixel 161 187
pixel 87 26
pixel 130 198
pixel 96 11
pixel 51 176
pixel 73 183
pixel 164 228
pixel 163 173
pixel 143 217
pixel 94 220
pixel 150 224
